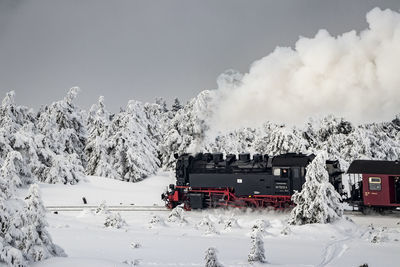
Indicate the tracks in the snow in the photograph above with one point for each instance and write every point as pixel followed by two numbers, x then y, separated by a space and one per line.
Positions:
pixel 111 208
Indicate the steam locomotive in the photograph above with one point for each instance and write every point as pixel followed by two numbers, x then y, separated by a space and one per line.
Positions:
pixel 208 180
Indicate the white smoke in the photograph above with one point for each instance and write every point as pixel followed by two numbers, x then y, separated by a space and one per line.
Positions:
pixel 352 75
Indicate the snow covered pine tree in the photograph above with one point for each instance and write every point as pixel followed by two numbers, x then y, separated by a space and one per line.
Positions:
pixel 211 258
pixel 38 244
pixel 99 161
pixel 23 237
pixel 64 132
pixel 318 201
pixel 257 252
pixel 132 145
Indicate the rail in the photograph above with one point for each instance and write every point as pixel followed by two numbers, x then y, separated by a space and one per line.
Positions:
pixel 110 208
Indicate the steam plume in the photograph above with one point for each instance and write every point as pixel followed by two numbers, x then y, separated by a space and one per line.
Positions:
pixel 355 75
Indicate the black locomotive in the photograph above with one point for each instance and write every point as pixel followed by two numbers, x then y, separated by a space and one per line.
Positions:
pixel 209 180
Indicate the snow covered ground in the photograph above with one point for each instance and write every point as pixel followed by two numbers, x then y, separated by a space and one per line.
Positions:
pixel 88 243
pixel 114 192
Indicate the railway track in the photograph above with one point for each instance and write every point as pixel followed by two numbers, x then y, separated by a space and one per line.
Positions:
pixel 110 208
pixel 123 208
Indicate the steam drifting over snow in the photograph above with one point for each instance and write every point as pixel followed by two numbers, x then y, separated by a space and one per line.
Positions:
pixel 351 75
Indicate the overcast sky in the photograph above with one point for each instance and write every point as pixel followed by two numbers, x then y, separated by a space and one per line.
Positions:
pixel 129 49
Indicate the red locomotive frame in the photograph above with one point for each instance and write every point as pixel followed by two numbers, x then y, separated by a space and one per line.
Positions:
pixel 226 198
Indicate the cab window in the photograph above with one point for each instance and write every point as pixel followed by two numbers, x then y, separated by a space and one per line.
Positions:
pixel 277 172
pixel 375 183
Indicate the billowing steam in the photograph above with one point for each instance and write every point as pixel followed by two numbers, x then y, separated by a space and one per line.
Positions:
pixel 352 75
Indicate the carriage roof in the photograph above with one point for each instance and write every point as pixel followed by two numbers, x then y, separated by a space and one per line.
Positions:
pixel 375 167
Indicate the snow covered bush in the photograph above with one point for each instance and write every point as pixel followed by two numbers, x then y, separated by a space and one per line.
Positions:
pixel 155 220
pixel 230 223
pixel 177 214
pixel 102 208
pixel 211 258
pixel 207 225
pixel 286 230
pixel 374 235
pixel 257 251
pixel 114 220
pixel 135 245
pixel 318 201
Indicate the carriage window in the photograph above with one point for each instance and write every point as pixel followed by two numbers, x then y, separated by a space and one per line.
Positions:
pixel 277 172
pixel 375 183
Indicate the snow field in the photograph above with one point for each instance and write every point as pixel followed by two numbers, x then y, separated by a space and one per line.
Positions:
pixel 114 192
pixel 88 243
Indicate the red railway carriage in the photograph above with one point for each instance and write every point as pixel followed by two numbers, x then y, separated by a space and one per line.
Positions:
pixel 375 184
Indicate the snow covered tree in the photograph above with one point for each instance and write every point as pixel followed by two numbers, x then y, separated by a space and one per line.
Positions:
pixel 232 142
pixel 162 103
pixel 23 237
pixel 64 132
pixel 124 146
pixel 257 251
pixel 259 226
pixel 186 130
pixel 318 201
pixel 211 258
pixel 38 244
pixel 132 143
pixel 176 105
pixel 279 139
pixel 10 174
pixel 99 161
pixel 11 233
pixel 18 137
pixel 62 123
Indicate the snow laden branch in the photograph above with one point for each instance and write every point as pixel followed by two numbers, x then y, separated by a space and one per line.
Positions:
pixel 318 201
